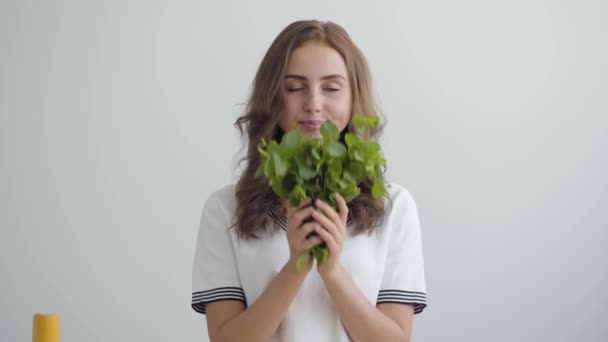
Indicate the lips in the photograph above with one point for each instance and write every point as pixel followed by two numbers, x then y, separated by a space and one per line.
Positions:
pixel 311 125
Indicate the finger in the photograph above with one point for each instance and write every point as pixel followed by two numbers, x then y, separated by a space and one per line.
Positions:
pixel 306 229
pixel 328 239
pixel 300 216
pixel 292 210
pixel 328 211
pixel 311 242
pixel 326 223
pixel 342 207
pixel 304 203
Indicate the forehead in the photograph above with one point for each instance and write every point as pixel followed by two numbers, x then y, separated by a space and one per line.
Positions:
pixel 315 60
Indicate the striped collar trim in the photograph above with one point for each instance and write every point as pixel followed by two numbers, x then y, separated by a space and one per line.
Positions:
pixel 282 220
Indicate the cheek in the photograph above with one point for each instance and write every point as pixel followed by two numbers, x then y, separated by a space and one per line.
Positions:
pixel 288 119
pixel 344 101
pixel 290 102
pixel 342 110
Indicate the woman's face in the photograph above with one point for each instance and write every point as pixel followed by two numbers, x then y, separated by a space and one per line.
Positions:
pixel 316 90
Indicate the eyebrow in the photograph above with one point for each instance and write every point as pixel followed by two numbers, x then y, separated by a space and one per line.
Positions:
pixel 328 77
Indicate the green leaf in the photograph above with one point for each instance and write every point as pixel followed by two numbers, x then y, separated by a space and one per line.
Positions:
pixel 358 156
pixel 347 177
pixel 374 121
pixel 280 166
pixel 359 120
pixel 269 169
pixel 306 172
pixel 316 153
pixel 329 132
pixel 336 149
pixel 300 261
pixel 351 194
pixel 350 139
pixel 290 141
pixel 373 146
pixel 334 169
pixel 378 188
pixel 322 256
pixel 369 167
pixel 260 170
pixel 343 184
pixel 262 146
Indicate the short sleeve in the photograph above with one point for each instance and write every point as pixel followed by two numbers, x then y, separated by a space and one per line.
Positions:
pixel 403 280
pixel 214 274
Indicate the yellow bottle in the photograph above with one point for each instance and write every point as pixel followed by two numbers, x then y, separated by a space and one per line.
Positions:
pixel 46 328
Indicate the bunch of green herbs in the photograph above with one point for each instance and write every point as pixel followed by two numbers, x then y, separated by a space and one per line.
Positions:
pixel 300 167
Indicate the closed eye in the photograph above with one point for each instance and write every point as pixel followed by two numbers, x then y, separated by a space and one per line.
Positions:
pixel 291 90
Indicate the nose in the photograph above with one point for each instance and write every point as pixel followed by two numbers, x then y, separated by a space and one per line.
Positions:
pixel 314 102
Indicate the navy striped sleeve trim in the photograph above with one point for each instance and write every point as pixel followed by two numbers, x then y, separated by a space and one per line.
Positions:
pixel 202 298
pixel 403 297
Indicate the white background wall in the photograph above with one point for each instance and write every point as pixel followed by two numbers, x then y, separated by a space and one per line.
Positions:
pixel 116 124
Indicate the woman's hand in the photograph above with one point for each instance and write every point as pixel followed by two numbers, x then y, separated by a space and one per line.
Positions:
pixel 332 230
pixel 298 234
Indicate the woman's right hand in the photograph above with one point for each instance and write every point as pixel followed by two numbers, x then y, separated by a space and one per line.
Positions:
pixel 298 231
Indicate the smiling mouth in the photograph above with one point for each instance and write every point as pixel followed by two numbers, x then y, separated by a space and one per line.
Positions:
pixel 311 125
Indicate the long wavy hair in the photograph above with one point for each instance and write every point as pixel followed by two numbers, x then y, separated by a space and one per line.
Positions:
pixel 255 198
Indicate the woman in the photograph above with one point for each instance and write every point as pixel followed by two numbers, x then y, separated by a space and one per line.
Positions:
pixel 245 280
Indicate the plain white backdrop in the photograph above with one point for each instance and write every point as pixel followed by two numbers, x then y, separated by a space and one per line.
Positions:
pixel 116 125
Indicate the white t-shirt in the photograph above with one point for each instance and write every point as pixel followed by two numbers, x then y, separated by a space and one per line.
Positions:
pixel 387 266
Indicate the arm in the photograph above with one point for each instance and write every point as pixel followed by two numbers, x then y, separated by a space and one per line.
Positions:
pixel 230 321
pixel 362 320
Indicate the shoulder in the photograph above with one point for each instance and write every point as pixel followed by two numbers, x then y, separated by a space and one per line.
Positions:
pixel 221 200
pixel 401 210
pixel 224 194
pixel 400 198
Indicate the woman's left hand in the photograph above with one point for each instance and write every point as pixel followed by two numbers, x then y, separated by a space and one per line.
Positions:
pixel 332 230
